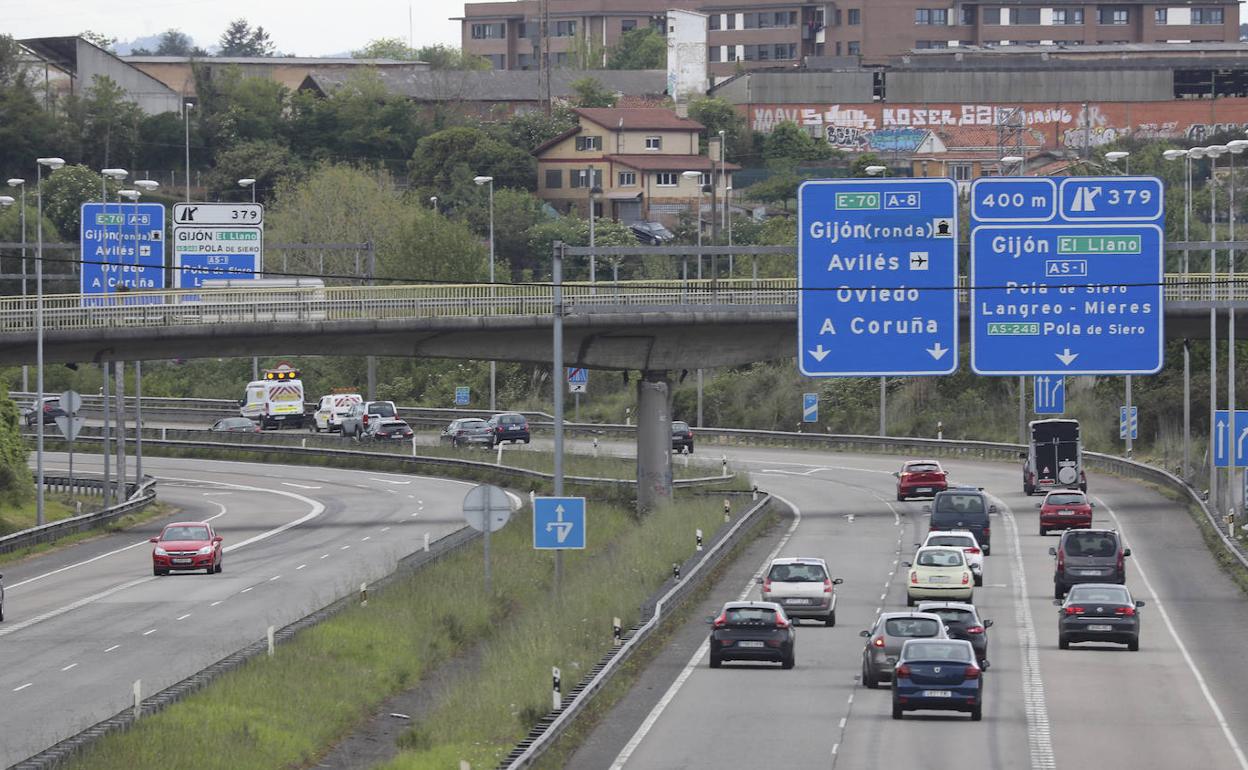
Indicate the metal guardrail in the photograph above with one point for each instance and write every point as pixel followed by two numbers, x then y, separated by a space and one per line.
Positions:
pixel 549 728
pixel 139 497
pixel 348 303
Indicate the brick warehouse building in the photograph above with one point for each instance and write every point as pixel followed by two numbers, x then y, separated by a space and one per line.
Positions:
pixel 770 33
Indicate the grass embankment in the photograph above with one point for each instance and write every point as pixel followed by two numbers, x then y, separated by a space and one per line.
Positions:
pixel 153 511
pixel 55 508
pixel 285 711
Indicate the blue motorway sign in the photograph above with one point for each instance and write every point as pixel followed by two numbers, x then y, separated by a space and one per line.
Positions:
pixel 877 263
pixel 810 407
pixel 1049 393
pixel 558 522
pixel 461 395
pixel 1077 293
pixel 123 247
pixel 1229 440
pixel 1134 422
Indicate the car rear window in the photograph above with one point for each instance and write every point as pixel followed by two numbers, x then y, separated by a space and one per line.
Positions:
pixel 955 503
pixel 185 533
pixel 511 419
pixel 950 615
pixel 1091 544
pixel 955 541
pixel 936 651
pixel 911 627
pixel 748 615
pixel 923 468
pixel 381 408
pixel 1064 499
pixel 940 558
pixel 236 422
pixel 797 573
pixel 471 424
pixel 680 427
pixel 1107 593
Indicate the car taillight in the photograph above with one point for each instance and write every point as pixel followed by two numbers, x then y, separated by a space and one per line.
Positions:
pixel 524 427
pixel 1061 559
pixel 781 622
pixel 966 578
pixel 689 434
pixel 972 672
pixel 878 641
pixel 1120 562
pixel 975 630
pixel 1125 611
pixel 366 419
pixel 721 620
pixel 767 585
pixel 987 532
pixel 905 474
pixel 971 550
pixel 903 670
pixel 498 429
pixel 1073 610
pixel 827 586
pixel 914 576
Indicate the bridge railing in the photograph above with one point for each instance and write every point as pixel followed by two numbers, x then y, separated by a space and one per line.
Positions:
pixel 344 303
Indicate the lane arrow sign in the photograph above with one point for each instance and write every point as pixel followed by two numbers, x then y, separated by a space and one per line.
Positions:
pixel 1220 452
pixel 1066 357
pixel 937 351
pixel 1239 445
pixel 819 353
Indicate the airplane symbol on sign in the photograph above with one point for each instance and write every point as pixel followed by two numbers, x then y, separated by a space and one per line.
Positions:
pixel 918 260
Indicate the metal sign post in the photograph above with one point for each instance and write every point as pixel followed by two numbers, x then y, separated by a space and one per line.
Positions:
pixel 487 509
pixel 70 424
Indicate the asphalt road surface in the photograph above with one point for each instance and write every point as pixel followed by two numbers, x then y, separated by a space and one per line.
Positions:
pixel 83 623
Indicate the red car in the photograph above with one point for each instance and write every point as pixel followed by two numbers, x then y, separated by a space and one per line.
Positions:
pixel 1065 509
pixel 921 478
pixel 186 545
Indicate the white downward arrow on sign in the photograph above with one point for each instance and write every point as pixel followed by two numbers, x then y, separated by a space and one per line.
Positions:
pixel 1066 357
pixel 937 351
pixel 819 353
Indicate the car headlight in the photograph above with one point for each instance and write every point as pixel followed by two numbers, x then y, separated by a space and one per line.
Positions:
pixel 161 551
pixel 205 550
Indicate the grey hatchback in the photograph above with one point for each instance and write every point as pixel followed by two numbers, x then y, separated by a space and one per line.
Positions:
pixel 467 431
pixel 1088 556
pixel 885 638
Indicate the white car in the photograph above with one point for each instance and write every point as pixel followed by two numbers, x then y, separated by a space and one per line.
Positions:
pixel 939 572
pixel 969 545
pixel 331 410
pixel 803 587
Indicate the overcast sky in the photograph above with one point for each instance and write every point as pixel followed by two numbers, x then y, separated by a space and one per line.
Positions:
pixel 303 27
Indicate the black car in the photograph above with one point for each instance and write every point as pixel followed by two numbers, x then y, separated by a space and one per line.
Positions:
pixel 651 233
pixel 1088 556
pixel 963 508
pixel 1096 612
pixel 962 622
pixel 389 430
pixel 754 631
pixel 51 410
pixel 682 437
pixel 235 425
pixel 508 426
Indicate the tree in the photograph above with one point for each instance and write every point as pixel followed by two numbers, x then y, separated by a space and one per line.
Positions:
pixel 515 211
pixel 788 142
pixel 386 48
pixel 175 42
pixel 26 125
pixel 446 160
pixel 531 129
pixel 108 120
pixel 642 48
pixel 266 161
pixel 99 39
pixel 435 248
pixel 239 39
pixel 591 93
pixel 16 485
pixel 255 109
pixel 64 192
pixel 721 115
pixel 358 121
pixel 585 53
pixel 445 57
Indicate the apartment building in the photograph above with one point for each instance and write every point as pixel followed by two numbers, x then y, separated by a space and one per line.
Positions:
pixel 637 157
pixel 778 33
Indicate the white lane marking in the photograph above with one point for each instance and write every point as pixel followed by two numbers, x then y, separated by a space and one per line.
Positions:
pixel 345 547
pixel 1187 658
pixel 73 606
pixel 71 665
pixel 390 481
pixel 415 514
pixel 110 649
pixel 214 604
pixel 1039 737
pixel 653 717
pixel 366 538
pixel 835 747
pixel 851 698
pixel 299 486
pixel 843 721
pixel 149 632
pixel 245 590
pixel 301 566
pixel 19 688
pixel 216 494
pixel 275 577
pixel 324 556
pixel 385 529
pixel 791 473
pixel 184 617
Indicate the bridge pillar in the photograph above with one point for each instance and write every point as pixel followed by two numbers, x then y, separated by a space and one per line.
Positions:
pixel 654 440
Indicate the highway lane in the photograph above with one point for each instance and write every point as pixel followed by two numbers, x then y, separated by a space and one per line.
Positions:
pixel 1181 700
pixel 83 623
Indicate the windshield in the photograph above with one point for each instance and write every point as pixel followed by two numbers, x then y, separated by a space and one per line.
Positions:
pixel 955 503
pixel 471 424
pixel 911 627
pixel 957 541
pixel 511 419
pixel 235 422
pixel 797 573
pixel 185 533
pixel 923 468
pixel 680 427
pixel 940 558
pixel 1091 544
pixel 1064 499
pixel 381 408
pixel 745 615
pixel 936 651
pixel 1108 594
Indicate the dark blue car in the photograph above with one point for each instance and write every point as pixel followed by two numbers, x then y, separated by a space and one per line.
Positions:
pixel 938 674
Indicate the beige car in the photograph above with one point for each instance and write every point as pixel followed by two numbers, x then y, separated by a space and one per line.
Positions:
pixel 941 573
pixel 803 587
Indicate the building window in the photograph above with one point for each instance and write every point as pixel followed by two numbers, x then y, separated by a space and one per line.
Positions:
pixel 1115 16
pixel 960 171
pixel 628 24
pixel 554 179
pixel 769 19
pixel 1159 16
pixel 565 28
pixel 1024 16
pixel 497 60
pixel 525 61
pixel 628 179
pixel 561 58
pixel 933 16
pixel 522 29
pixel 666 179
pixel 1064 16
pixel 784 51
pixel 489 31
pixel 579 178
pixel 838 48
pixel 992 15
pixel 713 53
pixel 712 22
pixel 853 48
pixel 588 143
pixel 1206 15
pixel 705 181
pixel 926 44
pixel 654 142
pixel 731 21
pixel 966 16
pixel 855 17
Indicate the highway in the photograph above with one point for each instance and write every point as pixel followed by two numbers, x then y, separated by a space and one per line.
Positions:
pixel 83 623
pixel 1181 701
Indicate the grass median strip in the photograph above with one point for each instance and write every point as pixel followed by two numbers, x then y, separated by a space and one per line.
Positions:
pixel 287 710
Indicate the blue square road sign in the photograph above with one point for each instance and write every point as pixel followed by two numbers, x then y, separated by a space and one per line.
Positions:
pixel 558 523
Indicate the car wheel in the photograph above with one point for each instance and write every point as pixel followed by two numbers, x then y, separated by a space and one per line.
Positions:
pixel 831 619
pixel 868 680
pixel 987 549
pixel 1044 531
pixel 977 713
pixel 689 449
pixel 526 441
pixel 1 613
pixel 979 580
pixel 1062 642
pixel 788 662
pixel 1028 489
pixel 159 572
pixel 897 711
pixel 715 661
pixel 901 498
pixel 316 427
pixel 1134 644
pixel 910 602
pixel 1058 593
pixel 220 566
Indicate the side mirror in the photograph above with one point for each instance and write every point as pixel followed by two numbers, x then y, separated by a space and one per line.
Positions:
pixel 1091 505
pixel 992 509
pixel 758 580
pixel 1052 551
pixel 1039 505
pixel 927 507
pixel 710 619
pixel 153 540
pixel 1126 551
pixel 837 581
pixel 897 474
pixel 1138 602
pixel 864 634
pixel 217 539
pixel 242 402
pixel 1057 602
pixel 906 564
pixel 987 624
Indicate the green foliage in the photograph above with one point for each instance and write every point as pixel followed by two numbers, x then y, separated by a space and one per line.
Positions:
pixel 445 160
pixel 574 231
pixel 434 248
pixel 66 190
pixel 251 108
pixel 779 188
pixel 239 39
pixel 16 486
pixel 25 125
pixel 175 42
pixel 585 53
pixel 357 122
pixel 589 92
pixel 641 48
pixel 102 125
pixel 265 161
pixel 789 143
pixel 445 57
pixel 515 212
pixel 386 48
pixel 717 115
pixel 859 167
pixel 530 129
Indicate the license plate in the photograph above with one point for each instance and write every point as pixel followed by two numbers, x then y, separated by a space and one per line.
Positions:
pixel 1066 513
pixel 923 489
pixel 1097 627
pixel 937 694
pixel 181 561
pixel 1089 572
pixel 938 579
pixel 750 644
pixel 797 601
pixel 280 417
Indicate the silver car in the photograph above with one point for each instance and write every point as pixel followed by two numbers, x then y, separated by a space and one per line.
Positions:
pixel 467 431
pixel 1 598
pixel 803 588
pixel 885 638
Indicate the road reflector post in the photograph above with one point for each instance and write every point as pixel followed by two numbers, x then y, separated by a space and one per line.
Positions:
pixel 426 541
pixel 463 765
pixel 499 461
pixel 728 506
pixel 699 538
pixel 413 445
pixel 303 443
pixel 595 446
pixel 675 571
pixel 556 696
pixel 940 430
pixel 615 630
pixel 272 637
pixel 164 433
pixel 723 459
pixel 138 698
pixel 754 493
pixel 363 594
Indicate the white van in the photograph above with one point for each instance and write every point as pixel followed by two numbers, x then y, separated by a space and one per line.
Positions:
pixel 332 408
pixel 275 401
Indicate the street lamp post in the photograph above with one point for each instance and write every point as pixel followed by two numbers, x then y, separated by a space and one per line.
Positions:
pixel 1213 152
pixel 482 180
pixel 249 182
pixel 186 114
pixel 881 171
pixel 16 182
pixel 53 164
pixel 1114 157
pixel 697 176
pixel 118 368
pixel 594 191
pixel 145 186
pixel 1187 358
pixel 1234 147
pixel 1117 155
pixel 433 200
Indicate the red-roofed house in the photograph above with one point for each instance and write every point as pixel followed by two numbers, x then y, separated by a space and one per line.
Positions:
pixel 965 153
pixel 637 156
